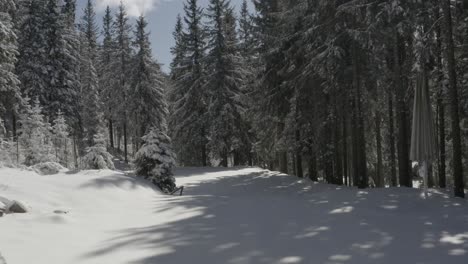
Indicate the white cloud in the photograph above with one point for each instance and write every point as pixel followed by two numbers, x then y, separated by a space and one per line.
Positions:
pixel 134 8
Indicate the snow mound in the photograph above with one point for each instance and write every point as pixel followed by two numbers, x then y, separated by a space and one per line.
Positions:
pixel 48 168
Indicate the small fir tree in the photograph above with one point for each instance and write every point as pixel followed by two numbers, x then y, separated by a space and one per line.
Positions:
pixel 155 160
pixel 97 157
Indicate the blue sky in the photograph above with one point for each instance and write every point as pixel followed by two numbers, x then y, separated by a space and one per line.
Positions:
pixel 161 16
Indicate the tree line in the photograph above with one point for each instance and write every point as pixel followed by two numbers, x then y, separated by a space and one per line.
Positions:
pixel 67 80
pixel 320 88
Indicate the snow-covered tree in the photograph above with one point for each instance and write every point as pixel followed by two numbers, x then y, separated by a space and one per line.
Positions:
pixel 178 50
pixel 34 134
pixel 147 99
pixel 97 157
pixel 9 83
pixel 60 135
pixel 90 98
pixel 105 73
pixel 224 81
pixel 62 65
pixel 189 106
pixel 33 51
pixel 155 160
pixel 121 70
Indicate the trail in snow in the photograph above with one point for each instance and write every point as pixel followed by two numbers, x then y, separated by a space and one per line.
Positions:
pixel 243 215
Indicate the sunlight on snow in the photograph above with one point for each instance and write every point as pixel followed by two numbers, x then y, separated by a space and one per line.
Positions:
pixel 346 209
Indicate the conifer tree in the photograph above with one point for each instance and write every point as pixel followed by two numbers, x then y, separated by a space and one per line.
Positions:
pixel 224 81
pixel 105 74
pixel 9 83
pixel 91 103
pixel 60 134
pixel 188 117
pixel 32 52
pixel 34 134
pixel 155 160
pixel 120 65
pixel 147 99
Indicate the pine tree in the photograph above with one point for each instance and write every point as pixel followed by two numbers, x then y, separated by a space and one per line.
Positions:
pixel 33 53
pixel 147 99
pixel 178 51
pixel 9 82
pixel 34 134
pixel 62 62
pixel 188 119
pixel 106 75
pixel 91 103
pixel 60 132
pixel 224 81
pixel 155 160
pixel 97 157
pixel 121 59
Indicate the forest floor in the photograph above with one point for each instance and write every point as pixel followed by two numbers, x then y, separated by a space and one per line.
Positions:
pixel 236 215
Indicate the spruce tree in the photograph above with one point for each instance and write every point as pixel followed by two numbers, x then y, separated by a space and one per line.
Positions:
pixel 188 118
pixel 224 81
pixel 9 82
pixel 106 75
pixel 147 99
pixel 120 65
pixel 90 99
pixel 60 135
pixel 34 134
pixel 32 52
pixel 155 160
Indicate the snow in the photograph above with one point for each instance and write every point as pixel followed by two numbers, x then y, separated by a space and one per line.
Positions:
pixel 237 215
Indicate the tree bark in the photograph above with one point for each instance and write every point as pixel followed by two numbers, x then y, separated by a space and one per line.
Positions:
pixel 403 151
pixel 453 97
pixel 391 140
pixel 378 138
pixel 440 112
pixel 111 133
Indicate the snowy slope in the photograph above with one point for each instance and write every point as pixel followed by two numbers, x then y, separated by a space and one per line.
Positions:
pixel 243 215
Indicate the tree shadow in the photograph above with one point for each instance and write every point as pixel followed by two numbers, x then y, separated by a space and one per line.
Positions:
pixel 266 217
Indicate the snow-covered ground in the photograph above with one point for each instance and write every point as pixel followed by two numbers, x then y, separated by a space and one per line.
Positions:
pixel 243 215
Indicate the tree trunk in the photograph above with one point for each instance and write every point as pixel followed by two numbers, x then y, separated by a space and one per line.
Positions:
pixel 313 167
pixel 360 161
pixel 403 151
pixel 338 172
pixel 111 133
pixel 282 155
pixel 453 97
pixel 299 171
pixel 440 113
pixel 391 140
pixel 345 148
pixel 379 181
pixel 125 140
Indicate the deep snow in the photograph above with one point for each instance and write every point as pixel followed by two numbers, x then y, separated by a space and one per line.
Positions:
pixel 241 215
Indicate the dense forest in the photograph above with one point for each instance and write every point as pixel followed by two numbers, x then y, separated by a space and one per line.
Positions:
pixel 315 88
pixel 320 88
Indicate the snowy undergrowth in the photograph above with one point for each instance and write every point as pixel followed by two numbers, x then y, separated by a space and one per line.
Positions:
pixel 237 215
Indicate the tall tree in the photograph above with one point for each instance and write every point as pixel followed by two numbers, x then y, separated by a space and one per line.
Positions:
pixel 188 118
pixel 147 98
pixel 106 88
pixel 9 82
pixel 121 59
pixel 453 98
pixel 90 98
pixel 224 81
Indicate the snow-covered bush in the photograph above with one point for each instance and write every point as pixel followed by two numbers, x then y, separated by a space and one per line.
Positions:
pixel 97 157
pixel 47 168
pixel 155 160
